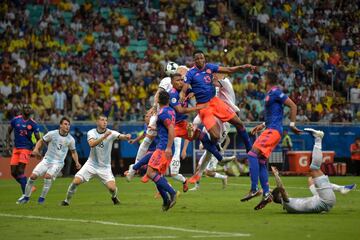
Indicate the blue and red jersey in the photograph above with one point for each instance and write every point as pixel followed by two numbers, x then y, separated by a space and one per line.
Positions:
pixel 166 117
pixel 274 109
pixel 201 82
pixel 174 101
pixel 23 131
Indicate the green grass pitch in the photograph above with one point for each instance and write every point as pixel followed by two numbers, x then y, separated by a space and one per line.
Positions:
pixel 209 213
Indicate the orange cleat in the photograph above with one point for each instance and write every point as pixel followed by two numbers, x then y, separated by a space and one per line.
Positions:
pixel 145 179
pixel 185 186
pixel 194 179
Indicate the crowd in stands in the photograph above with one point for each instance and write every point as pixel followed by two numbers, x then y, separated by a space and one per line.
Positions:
pixel 325 34
pixel 76 58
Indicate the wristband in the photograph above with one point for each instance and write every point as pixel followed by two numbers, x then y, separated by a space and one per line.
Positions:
pixel 292 124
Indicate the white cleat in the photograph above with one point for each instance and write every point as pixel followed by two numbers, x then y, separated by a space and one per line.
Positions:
pixel 347 188
pixel 315 133
pixel 131 173
pixel 224 182
pixel 195 188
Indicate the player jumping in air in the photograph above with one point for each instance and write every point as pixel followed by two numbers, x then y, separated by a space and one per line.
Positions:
pixel 200 78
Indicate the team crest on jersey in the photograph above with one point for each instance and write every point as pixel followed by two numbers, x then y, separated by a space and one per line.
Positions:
pixel 208 71
pixel 29 127
pixel 173 100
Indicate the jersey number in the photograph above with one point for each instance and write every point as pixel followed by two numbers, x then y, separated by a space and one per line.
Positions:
pixel 59 147
pixel 207 79
pixel 23 133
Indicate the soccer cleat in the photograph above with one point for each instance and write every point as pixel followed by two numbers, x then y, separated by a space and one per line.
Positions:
pixel 251 195
pixel 115 200
pixel 348 188
pixel 64 203
pixel 196 187
pixel 130 174
pixel 194 179
pixel 185 186
pixel 173 199
pixel 41 200
pixel 166 206
pixel 23 200
pixel 315 133
pixel 145 179
pixel 224 182
pixel 266 199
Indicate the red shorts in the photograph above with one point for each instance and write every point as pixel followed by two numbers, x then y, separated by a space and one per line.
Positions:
pixel 217 108
pixel 181 130
pixel 267 141
pixel 159 161
pixel 20 156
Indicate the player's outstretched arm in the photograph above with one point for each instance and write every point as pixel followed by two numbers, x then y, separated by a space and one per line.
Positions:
pixel 235 69
pixel 75 157
pixel 126 137
pixel 293 111
pixel 183 92
pixel 137 139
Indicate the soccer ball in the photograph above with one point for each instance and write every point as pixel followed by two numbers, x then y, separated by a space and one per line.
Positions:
pixel 171 68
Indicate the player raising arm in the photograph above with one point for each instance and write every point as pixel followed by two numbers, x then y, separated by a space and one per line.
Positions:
pixel 98 164
pixel 264 145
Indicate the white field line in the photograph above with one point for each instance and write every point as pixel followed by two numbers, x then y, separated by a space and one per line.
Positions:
pixel 248 185
pixel 132 237
pixel 142 226
pixel 157 237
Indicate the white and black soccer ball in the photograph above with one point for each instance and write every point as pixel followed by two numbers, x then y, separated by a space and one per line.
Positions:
pixel 171 68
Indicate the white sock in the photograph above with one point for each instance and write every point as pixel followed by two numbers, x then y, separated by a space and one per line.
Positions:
pixel 218 175
pixel 179 177
pixel 29 185
pixel 46 187
pixel 177 148
pixel 143 148
pixel 114 193
pixel 336 187
pixel 203 162
pixel 317 157
pixel 71 191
